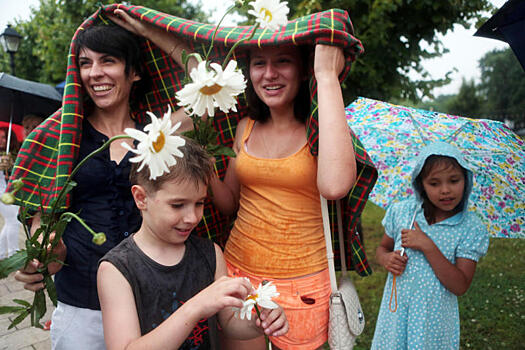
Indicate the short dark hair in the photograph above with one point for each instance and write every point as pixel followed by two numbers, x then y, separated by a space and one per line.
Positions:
pixel 194 166
pixel 430 163
pixel 259 111
pixel 112 40
pixel 120 43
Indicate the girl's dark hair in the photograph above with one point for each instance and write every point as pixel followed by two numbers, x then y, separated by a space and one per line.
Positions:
pixel 259 111
pixel 430 163
pixel 117 42
pixel 14 145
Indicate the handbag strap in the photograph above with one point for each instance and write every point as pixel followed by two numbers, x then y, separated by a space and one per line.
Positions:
pixel 341 238
pixel 328 241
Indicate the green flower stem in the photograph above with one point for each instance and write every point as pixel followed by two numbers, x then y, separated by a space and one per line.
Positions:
pixel 187 60
pixel 216 29
pixel 76 217
pixel 75 170
pixel 237 43
pixel 267 341
pixel 62 192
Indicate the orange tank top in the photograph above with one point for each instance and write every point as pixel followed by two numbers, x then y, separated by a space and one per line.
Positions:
pixel 278 232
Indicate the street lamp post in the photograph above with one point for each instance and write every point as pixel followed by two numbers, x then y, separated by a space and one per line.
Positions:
pixel 10 40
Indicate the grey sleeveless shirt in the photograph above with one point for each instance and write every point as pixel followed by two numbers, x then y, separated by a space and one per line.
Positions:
pixel 160 290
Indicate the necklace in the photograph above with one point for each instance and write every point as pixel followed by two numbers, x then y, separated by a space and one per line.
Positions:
pixel 283 146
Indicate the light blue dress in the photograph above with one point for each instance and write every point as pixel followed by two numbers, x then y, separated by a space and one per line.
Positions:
pixel 427 314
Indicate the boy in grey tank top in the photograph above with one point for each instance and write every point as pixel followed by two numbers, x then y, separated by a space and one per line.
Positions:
pixel 161 288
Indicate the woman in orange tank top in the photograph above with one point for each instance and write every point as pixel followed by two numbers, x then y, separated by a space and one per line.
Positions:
pixel 274 183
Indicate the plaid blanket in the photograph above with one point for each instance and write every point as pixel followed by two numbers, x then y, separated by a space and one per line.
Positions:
pixel 48 155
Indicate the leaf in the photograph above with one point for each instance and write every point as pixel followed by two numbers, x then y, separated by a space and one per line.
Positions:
pixel 69 186
pixel 13 263
pixel 33 250
pixel 189 134
pixel 39 307
pixel 51 289
pixel 220 150
pixel 36 235
pixel 11 309
pixel 19 319
pixel 22 302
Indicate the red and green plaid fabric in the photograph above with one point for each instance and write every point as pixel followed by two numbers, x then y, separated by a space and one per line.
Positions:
pixel 48 155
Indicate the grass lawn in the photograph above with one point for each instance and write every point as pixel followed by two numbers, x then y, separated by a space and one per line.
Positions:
pixel 492 311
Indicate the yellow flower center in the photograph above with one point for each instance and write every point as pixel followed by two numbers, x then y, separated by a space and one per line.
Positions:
pixel 267 14
pixel 252 297
pixel 159 143
pixel 210 90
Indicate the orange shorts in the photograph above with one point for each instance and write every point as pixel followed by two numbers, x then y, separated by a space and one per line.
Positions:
pixel 305 302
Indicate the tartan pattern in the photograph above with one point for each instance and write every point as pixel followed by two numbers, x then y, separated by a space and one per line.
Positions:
pixel 47 157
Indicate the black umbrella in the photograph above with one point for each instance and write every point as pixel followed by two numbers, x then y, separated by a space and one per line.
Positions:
pixel 19 97
pixel 508 24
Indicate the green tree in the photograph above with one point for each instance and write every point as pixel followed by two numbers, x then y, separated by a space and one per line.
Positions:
pixel 468 101
pixel 42 55
pixel 503 87
pixel 397 35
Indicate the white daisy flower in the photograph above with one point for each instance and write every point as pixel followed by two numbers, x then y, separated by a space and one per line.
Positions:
pixel 212 88
pixel 158 146
pixel 263 297
pixel 270 14
pixel 246 310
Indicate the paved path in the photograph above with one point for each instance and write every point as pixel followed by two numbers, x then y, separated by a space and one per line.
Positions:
pixel 23 336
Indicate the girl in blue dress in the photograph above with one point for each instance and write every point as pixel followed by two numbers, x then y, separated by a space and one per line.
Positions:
pixel 433 261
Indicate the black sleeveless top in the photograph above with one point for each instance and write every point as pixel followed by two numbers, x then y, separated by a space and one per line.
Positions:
pixel 160 290
pixel 103 199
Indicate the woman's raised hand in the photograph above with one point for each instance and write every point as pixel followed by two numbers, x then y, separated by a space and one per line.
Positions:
pixel 131 24
pixel 329 61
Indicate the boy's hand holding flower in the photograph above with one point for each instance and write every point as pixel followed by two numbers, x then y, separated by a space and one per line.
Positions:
pixel 271 317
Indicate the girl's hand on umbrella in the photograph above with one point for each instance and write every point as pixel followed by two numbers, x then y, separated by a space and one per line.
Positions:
pixel 415 238
pixel 395 263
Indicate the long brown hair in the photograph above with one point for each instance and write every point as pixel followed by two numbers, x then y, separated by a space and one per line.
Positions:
pixel 259 111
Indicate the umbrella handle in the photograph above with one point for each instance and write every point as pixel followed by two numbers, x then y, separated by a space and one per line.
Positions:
pixel 9 131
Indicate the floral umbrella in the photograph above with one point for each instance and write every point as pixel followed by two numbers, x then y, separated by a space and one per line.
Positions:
pixel 393 136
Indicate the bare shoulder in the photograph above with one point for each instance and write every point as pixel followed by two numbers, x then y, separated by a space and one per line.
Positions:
pixel 241 126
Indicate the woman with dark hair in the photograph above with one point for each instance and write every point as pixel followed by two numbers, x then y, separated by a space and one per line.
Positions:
pixel 274 184
pixel 11 228
pixel 109 66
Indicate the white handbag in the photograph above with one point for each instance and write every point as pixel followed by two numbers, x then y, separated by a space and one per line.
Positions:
pixel 347 319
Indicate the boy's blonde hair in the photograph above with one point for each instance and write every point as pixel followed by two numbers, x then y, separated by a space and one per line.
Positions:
pixel 195 166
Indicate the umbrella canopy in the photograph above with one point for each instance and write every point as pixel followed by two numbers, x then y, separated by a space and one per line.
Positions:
pixel 16 129
pixel 393 136
pixel 20 97
pixel 508 24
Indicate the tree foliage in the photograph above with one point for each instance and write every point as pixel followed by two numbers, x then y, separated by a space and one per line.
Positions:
pixel 42 55
pixel 500 95
pixel 397 35
pixel 503 86
pixel 468 101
